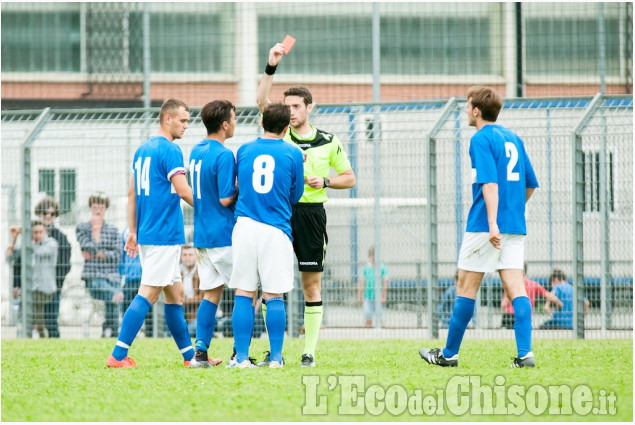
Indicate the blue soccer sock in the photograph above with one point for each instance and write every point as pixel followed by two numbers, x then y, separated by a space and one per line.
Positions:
pixel 522 324
pixel 463 312
pixel 178 328
pixel 131 325
pixel 205 322
pixel 243 326
pixel 276 323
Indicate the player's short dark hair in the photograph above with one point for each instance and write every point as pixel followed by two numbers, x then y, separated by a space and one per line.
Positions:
pixel 43 206
pixel 301 91
pixel 487 101
pixel 557 274
pixel 215 113
pixel 171 107
pixel 275 118
pixel 98 198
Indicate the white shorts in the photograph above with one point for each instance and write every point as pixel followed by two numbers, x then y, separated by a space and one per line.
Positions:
pixel 261 253
pixel 160 264
pixel 214 267
pixel 478 255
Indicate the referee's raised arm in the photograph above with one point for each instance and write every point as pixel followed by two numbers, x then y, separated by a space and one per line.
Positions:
pixel 264 88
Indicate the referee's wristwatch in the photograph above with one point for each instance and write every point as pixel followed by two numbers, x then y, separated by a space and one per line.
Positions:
pixel 327 182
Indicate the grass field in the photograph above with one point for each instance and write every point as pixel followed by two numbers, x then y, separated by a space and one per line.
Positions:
pixel 66 380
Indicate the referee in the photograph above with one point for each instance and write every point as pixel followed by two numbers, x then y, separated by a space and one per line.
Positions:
pixel 321 151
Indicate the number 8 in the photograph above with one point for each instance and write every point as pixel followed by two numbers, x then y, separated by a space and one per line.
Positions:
pixel 262 179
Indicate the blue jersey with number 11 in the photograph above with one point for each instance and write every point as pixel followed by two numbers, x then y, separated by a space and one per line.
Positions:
pixel 212 177
pixel 498 156
pixel 270 179
pixel 159 215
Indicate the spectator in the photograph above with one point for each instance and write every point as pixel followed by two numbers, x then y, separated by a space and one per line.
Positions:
pixel 193 295
pixel 48 210
pixel 99 242
pixel 44 260
pixel 533 290
pixel 130 269
pixel 366 289
pixel 563 291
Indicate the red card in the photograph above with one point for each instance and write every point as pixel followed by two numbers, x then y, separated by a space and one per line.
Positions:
pixel 288 43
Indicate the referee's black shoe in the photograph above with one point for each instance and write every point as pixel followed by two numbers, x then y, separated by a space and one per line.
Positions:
pixel 307 361
pixel 435 357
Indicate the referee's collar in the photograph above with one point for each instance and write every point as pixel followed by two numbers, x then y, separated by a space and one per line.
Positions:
pixel 298 137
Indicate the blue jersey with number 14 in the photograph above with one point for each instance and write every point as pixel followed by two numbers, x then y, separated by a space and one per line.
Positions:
pixel 212 177
pixel 498 156
pixel 270 179
pixel 159 215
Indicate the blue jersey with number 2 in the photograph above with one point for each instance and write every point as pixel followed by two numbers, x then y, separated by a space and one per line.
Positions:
pixel 159 214
pixel 498 156
pixel 270 179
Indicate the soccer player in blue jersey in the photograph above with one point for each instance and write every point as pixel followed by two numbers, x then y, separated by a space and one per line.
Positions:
pixel 503 180
pixel 156 232
pixel 270 180
pixel 213 181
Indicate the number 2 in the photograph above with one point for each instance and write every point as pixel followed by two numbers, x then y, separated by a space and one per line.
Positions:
pixel 512 153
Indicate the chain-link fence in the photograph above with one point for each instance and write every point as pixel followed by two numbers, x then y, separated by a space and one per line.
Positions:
pixel 411 201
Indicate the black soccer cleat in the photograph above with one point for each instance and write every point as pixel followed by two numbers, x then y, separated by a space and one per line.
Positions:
pixel 307 361
pixel 435 357
pixel 265 362
pixel 527 361
pixel 200 359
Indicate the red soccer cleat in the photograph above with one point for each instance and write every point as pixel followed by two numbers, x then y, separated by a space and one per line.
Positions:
pixel 125 363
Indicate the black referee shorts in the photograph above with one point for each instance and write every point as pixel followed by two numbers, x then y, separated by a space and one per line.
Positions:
pixel 308 225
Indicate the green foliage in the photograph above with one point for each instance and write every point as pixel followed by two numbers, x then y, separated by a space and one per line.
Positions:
pixel 67 380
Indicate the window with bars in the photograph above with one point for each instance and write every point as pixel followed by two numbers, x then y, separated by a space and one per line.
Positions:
pixel 67 190
pixel 67 187
pixel 46 182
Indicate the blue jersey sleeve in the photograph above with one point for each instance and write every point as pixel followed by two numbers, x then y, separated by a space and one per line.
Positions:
pixel 297 185
pixel 226 175
pixel 173 161
pixel 483 160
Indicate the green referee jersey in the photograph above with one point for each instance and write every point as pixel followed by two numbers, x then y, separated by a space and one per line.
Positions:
pixel 322 151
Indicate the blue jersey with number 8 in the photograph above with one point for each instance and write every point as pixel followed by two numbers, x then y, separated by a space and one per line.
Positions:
pixel 159 214
pixel 498 156
pixel 270 180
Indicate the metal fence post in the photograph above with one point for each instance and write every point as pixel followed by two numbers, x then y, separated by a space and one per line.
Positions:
pixel 433 246
pixel 577 211
pixel 26 270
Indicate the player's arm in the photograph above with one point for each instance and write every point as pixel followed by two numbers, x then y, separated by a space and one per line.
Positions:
pixel 490 194
pixel 182 188
pixel 587 304
pixel 227 179
pixel 130 246
pixel 528 192
pixel 360 288
pixel 552 298
pixel 384 295
pixel 344 180
pixel 264 88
